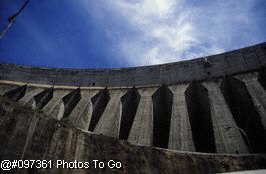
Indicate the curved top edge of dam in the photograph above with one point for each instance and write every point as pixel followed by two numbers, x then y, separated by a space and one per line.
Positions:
pixel 242 60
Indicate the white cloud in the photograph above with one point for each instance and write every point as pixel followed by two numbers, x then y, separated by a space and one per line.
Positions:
pixel 165 30
pixel 171 30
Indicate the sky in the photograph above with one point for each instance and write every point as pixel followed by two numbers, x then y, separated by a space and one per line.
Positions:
pixel 127 33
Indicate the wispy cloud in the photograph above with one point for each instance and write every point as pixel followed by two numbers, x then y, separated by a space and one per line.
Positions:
pixel 173 30
pixel 115 33
pixel 146 32
pixel 166 30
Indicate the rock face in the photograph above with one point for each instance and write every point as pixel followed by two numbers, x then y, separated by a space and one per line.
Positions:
pixel 27 134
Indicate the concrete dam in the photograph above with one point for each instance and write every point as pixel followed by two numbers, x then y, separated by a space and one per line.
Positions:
pixel 211 105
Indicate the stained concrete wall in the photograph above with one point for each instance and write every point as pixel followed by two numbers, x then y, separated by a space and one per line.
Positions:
pixel 29 135
pixel 180 137
pixel 242 60
pixel 227 135
pixel 103 107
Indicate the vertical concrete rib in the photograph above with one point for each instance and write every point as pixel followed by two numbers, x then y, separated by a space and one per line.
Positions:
pixel 53 106
pixel 110 119
pixel 141 131
pixel 162 108
pixel 198 104
pixel 130 102
pixel 6 87
pixel 180 131
pixel 28 98
pixel 226 140
pixel 81 114
pixel 245 113
pixel 99 103
pixel 16 93
pixel 262 77
pixel 257 93
pixel 41 99
pixel 68 103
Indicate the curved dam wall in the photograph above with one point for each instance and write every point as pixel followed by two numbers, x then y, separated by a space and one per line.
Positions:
pixel 242 60
pixel 216 105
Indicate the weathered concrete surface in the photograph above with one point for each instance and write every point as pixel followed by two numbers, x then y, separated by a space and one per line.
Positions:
pixel 6 87
pixel 233 62
pixel 180 132
pixel 27 134
pixel 226 140
pixel 28 99
pixel 257 93
pixel 110 119
pixel 55 104
pixel 227 135
pixel 81 114
pixel 141 131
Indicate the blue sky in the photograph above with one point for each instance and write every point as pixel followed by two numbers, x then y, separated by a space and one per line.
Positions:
pixel 125 33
